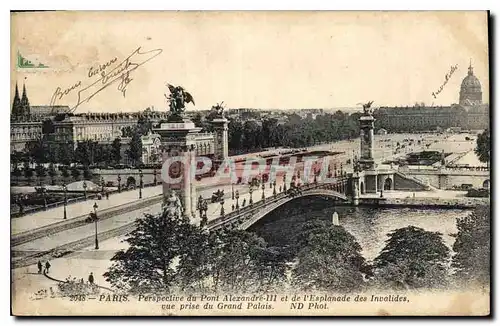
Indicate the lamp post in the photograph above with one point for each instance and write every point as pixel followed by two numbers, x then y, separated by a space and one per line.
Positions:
pixel 95 221
pixel 154 177
pixel 250 192
pixel 199 206
pixel 140 184
pixel 237 196
pixel 119 183
pixel 222 208
pixel 232 191
pixel 44 190
pixel 263 189
pixel 85 189
pixel 284 182
pixel 205 209
pixel 274 188
pixel 102 185
pixel 65 189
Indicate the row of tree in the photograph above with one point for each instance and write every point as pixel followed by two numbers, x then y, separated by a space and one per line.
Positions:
pixel 41 171
pixel 87 152
pixel 256 134
pixel 170 254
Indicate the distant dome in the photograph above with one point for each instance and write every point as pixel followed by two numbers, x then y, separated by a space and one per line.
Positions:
pixel 470 90
pixel 470 82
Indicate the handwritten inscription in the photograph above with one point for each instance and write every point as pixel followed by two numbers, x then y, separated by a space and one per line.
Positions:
pixel 108 74
pixel 100 68
pixel 60 93
pixel 446 79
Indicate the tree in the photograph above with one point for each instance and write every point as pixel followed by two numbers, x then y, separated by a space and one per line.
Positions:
pixel 331 260
pixel 149 264
pixel 237 261
pixel 412 258
pixel 87 174
pixel 472 247
pixel 65 171
pixel 134 151
pixel 483 146
pixel 85 152
pixel 37 149
pixel 65 153
pixel 16 157
pixel 144 125
pixel 75 172
pixel 40 170
pixel 116 154
pixel 52 170
pixel 16 171
pixel 28 171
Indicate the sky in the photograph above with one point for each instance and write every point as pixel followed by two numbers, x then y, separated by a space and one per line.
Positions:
pixel 268 60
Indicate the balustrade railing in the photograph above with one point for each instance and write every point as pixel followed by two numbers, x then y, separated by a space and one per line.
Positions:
pixel 246 212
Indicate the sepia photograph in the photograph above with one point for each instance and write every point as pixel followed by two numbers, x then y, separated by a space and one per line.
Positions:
pixel 250 163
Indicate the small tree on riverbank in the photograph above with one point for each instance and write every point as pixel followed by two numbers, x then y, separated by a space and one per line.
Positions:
pixel 472 247
pixel 148 265
pixel 412 258
pixel 483 146
pixel 330 260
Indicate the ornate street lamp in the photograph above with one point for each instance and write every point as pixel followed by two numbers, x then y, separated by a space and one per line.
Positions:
pixel 284 182
pixel 263 189
pixel 85 189
pixel 119 183
pixel 250 192
pixel 232 191
pixel 154 177
pixel 65 189
pixel 140 184
pixel 204 220
pixel 274 188
pixel 222 208
pixel 237 196
pixel 199 206
pixel 44 195
pixel 95 218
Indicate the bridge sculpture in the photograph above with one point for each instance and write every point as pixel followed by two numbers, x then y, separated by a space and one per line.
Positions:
pixel 245 217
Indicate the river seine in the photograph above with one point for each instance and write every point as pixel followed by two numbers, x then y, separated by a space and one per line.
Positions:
pixel 368 225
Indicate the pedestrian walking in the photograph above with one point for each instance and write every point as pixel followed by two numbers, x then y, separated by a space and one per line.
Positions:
pixel 40 267
pixel 91 278
pixel 47 267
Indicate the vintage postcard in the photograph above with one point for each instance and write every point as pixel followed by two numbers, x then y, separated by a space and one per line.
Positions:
pixel 250 163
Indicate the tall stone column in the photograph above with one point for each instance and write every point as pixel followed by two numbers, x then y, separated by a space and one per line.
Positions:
pixel 366 160
pixel 221 150
pixel 178 139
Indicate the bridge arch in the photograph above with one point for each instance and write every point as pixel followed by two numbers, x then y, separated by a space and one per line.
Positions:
pixel 247 218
